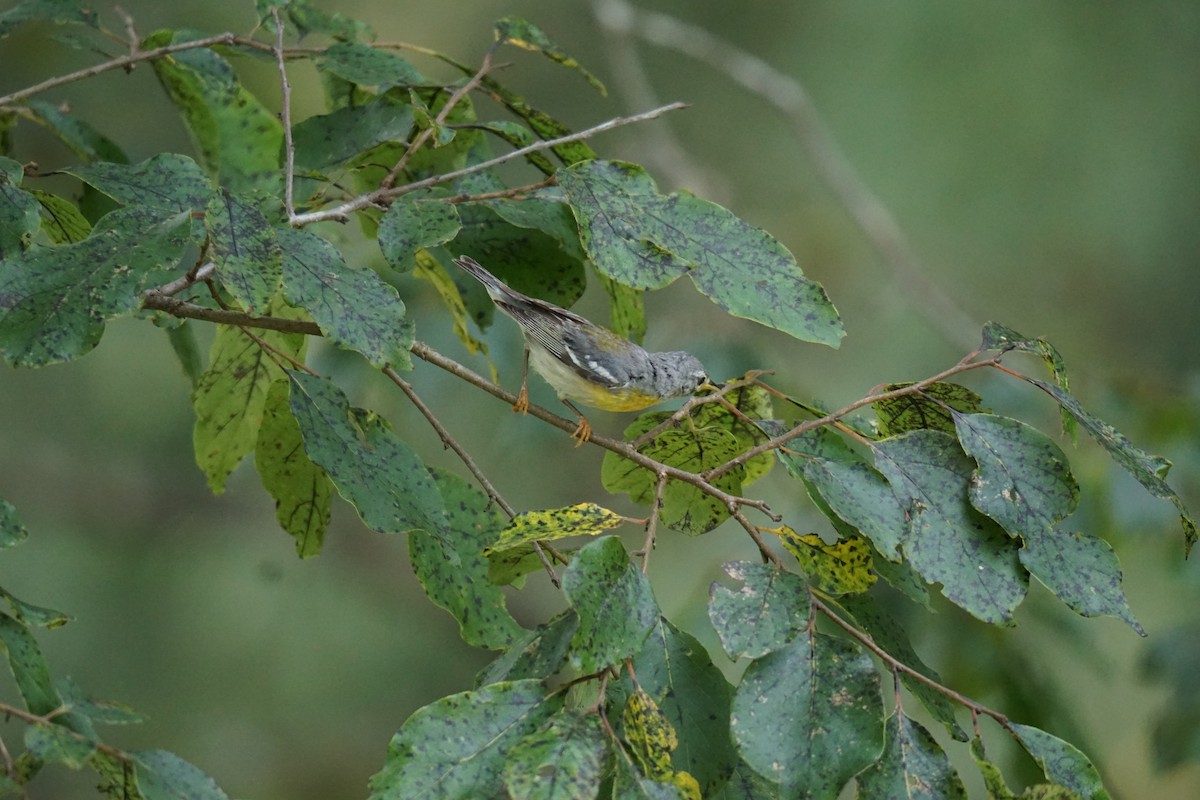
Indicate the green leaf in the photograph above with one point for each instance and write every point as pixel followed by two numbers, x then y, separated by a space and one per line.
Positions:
pixel 999 337
pixel 930 409
pixel 411 224
pixel 993 778
pixel 302 491
pixel 809 716
pixel 873 618
pixel 12 529
pixel 56 11
pixel 766 614
pixel 103 711
pixel 627 309
pixel 457 748
pixel 524 34
pixel 685 507
pixel 308 18
pixel 29 614
pixel 76 133
pixel 509 567
pixel 646 240
pixel 1062 762
pixel 231 395
pixel 20 214
pixel 947 540
pixel 613 202
pixel 746 784
pixel 429 269
pixel 243 247
pixel 166 776
pixel 381 476
pixel 61 220
pixel 912 766
pixel 354 307
pixel 369 66
pixel 345 134
pixel 693 697
pixel 463 588
pixel 855 492
pixel 614 602
pixel 582 519
pixel 544 210
pixel 843 567
pixel 1149 470
pixel 56 744
pixel 183 342
pixel 519 136
pixel 526 259
pixel 1023 482
pixel 753 406
pixel 239 141
pixel 54 301
pixel 167 181
pixel 28 667
pixel 538 653
pixel 562 760
pixel 544 125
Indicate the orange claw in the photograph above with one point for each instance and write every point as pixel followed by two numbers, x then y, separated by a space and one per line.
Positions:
pixel 522 404
pixel 583 432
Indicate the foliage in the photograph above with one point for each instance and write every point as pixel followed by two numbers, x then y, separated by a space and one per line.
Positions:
pixel 608 698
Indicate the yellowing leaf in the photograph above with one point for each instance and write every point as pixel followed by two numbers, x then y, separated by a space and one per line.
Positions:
pixel 844 567
pixel 582 519
pixel 650 735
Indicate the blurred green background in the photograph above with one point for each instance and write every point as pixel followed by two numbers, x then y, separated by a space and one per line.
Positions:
pixel 1042 158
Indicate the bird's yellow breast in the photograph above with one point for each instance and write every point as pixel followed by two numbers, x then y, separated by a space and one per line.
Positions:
pixel 570 385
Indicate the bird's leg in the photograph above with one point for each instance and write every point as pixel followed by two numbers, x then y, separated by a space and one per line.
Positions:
pixel 522 404
pixel 583 431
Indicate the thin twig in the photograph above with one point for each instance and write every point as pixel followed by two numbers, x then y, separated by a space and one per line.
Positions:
pixel 342 212
pixel 652 522
pixel 285 117
pixel 899 666
pixel 752 531
pixel 124 62
pixel 808 425
pixel 514 193
pixel 422 137
pixel 34 719
pixel 131 34
pixel 449 441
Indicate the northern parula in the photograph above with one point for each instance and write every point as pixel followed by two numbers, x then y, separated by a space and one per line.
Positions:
pixel 585 362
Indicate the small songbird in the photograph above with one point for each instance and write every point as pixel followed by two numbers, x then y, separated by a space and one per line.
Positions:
pixel 585 362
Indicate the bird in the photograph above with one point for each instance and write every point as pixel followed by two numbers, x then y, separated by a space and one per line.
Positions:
pixel 584 362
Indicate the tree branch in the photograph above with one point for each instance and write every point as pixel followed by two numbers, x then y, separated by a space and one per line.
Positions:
pixel 122 62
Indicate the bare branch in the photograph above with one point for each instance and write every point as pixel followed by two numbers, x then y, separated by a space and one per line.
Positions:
pixel 285 117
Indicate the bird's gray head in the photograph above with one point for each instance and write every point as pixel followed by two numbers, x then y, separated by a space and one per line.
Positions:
pixel 678 374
